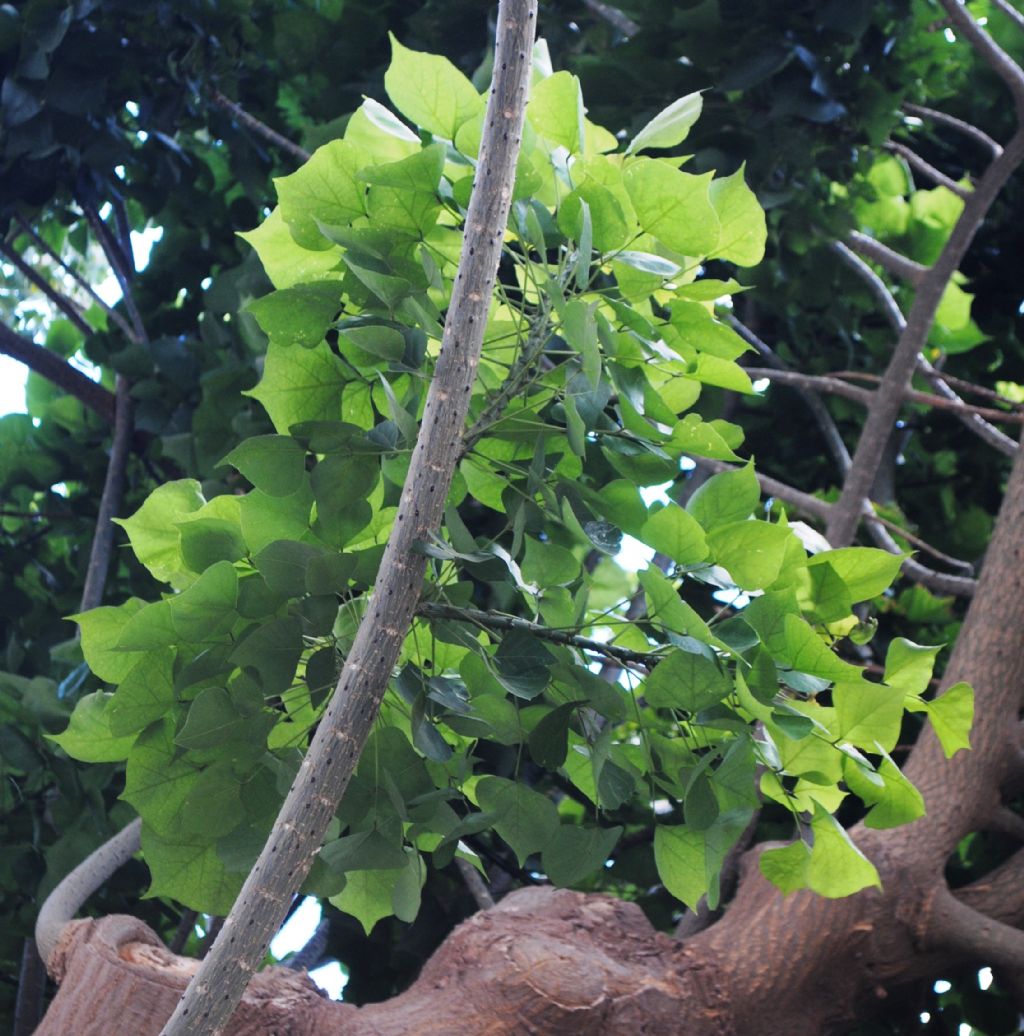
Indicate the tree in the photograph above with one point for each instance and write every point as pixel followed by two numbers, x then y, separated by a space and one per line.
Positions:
pixel 614 378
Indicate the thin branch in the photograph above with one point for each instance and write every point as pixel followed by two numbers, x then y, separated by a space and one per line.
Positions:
pixel 251 123
pixel 994 56
pixel 614 17
pixel 50 366
pixel 122 265
pixel 475 884
pixel 1010 11
pixel 67 306
pixel 28 1005
pixel 327 768
pixel 966 128
pixel 500 621
pixel 887 401
pixel 45 249
pixel 70 895
pixel 1004 820
pixel 825 421
pixel 186 923
pixel 110 501
pixel 888 258
pixel 926 169
pixel 915 540
pixel 883 296
pixel 311 954
pixel 950 924
pixel 939 582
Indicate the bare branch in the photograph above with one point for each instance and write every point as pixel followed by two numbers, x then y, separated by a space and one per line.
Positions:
pixel 966 128
pixel 819 411
pixel 500 621
pixel 477 888
pixel 44 248
pixel 185 925
pixel 28 1006
pixel 1010 11
pixel 888 258
pixel 110 501
pixel 994 56
pixel 940 582
pixel 50 366
pixel 878 287
pixel 1004 820
pixel 67 306
pixel 121 265
pixel 927 169
pixel 912 538
pixel 951 924
pixel 614 17
pixel 298 831
pixel 251 123
pixel 888 399
pixel 309 956
pixel 70 895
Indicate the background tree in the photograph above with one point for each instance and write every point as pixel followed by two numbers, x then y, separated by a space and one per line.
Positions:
pixel 806 116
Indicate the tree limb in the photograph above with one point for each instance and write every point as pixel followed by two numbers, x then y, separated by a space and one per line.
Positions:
pixel 888 399
pixel 951 924
pixel 966 128
pixel 67 306
pixel 1010 11
pixel 888 258
pixel 477 888
pixel 331 759
pixel 614 17
pixel 50 366
pixel 927 169
pixel 250 122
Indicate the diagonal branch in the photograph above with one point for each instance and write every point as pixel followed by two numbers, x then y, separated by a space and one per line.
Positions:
pixel 1010 11
pixel 50 366
pixel 261 129
pixel 888 258
pixel 966 128
pixel 888 399
pixel 951 924
pixel 67 306
pixel 325 772
pixel 614 17
pixel 994 56
pixel 927 169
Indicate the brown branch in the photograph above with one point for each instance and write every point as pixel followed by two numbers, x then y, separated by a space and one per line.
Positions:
pixel 614 17
pixel 927 169
pixel 966 128
pixel 219 984
pixel 916 540
pixel 28 1005
pixel 45 249
pixel 1004 820
pixel 888 258
pixel 110 501
pixel 994 56
pixel 67 306
pixel 475 884
pixel 121 265
pixel 250 122
pixel 50 366
pixel 184 928
pixel 1010 11
pixel 887 401
pixel 878 287
pixel 939 582
pixel 499 621
pixel 950 924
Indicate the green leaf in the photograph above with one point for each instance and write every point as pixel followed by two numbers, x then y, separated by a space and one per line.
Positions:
pixel 369 896
pixel 300 385
pixel 274 463
pixel 547 564
pixel 865 570
pixel 670 126
pixel 380 340
pixel 669 610
pixel 549 739
pixel 284 563
pixel 379 848
pixel 689 861
pixel 298 316
pixel 325 190
pixel 145 695
pixel 523 664
pixel 836 867
pixel 159 780
pixel 286 262
pixel 896 801
pixel 952 715
pixel 675 207
pixel 272 651
pixel 685 680
pixel 430 91
pixel 100 631
pixel 527 820
pixel 190 872
pixel 744 231
pixel 88 736
pixel 205 541
pixel 729 496
pixel 203 612
pixel 341 485
pixel 752 552
pixel 267 518
pixel 908 666
pixel 576 852
pixel 726 374
pixel 675 533
pixel 610 228
pixel 868 714
pixel 153 534
pixel 786 867
pixel 555 110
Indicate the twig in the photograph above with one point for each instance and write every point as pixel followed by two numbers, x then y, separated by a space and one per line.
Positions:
pixel 927 169
pixel 912 538
pixel 500 621
pixel 250 122
pixel 43 247
pixel 888 399
pixel 888 258
pixel 310 955
pixel 614 17
pixel 50 366
pixel 67 306
pixel 186 923
pixel 818 410
pixel 217 987
pixel 883 296
pixel 940 582
pixel 475 884
pixel 121 265
pixel 966 128
pixel 28 1005
pixel 1010 11
pixel 997 59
